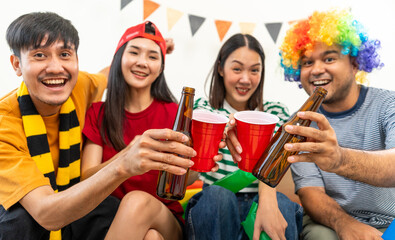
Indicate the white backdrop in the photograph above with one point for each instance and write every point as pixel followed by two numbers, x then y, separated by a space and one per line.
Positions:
pixel 102 22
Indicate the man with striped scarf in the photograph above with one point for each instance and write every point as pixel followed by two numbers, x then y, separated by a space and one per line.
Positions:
pixel 41 196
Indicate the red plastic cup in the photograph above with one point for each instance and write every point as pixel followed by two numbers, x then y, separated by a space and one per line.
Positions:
pixel 206 132
pixel 254 131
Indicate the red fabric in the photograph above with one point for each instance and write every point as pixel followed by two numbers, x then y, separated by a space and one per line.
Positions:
pixel 157 116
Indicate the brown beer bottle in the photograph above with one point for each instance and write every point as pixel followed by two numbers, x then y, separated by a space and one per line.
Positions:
pixel 273 163
pixel 171 186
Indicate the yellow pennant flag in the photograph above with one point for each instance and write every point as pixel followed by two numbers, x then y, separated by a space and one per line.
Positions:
pixel 172 17
pixel 247 28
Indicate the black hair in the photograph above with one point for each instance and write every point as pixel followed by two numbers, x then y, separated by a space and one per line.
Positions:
pixel 112 127
pixel 217 86
pixel 149 28
pixel 29 30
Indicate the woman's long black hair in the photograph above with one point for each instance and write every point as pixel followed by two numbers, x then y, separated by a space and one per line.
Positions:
pixel 112 126
pixel 217 86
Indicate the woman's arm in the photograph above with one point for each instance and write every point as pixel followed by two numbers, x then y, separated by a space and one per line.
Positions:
pixel 268 215
pixel 91 159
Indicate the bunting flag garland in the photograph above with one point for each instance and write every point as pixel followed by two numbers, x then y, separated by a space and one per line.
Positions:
pixel 149 8
pixel 273 29
pixel 173 16
pixel 195 23
pixel 124 3
pixel 247 28
pixel 222 28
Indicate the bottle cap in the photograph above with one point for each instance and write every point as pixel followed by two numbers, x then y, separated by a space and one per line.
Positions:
pixel 188 90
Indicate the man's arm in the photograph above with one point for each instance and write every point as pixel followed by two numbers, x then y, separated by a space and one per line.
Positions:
pixel 373 167
pixel 55 210
pixel 324 210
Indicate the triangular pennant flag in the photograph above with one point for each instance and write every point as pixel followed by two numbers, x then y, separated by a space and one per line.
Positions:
pixel 274 30
pixel 195 22
pixel 149 8
pixel 222 28
pixel 247 28
pixel 124 3
pixel 172 17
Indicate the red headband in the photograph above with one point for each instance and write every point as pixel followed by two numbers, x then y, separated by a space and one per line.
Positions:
pixel 141 31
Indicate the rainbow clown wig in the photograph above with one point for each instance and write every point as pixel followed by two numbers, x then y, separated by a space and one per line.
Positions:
pixel 332 27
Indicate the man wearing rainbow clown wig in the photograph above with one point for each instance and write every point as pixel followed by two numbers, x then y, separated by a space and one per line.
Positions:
pixel 345 174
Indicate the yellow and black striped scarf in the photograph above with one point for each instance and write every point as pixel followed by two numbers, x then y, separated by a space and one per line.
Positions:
pixel 69 144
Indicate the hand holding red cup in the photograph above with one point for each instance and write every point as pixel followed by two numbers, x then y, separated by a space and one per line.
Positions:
pixel 206 132
pixel 254 131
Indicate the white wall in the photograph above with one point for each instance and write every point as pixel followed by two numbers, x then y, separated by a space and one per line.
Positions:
pixel 101 23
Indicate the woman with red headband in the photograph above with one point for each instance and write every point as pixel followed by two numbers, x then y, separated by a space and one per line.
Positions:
pixel 137 99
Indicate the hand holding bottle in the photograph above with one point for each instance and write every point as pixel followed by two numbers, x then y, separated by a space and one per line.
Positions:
pixel 172 186
pixel 148 152
pixel 321 144
pixel 273 163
